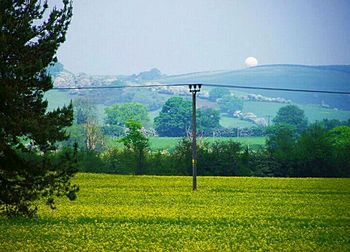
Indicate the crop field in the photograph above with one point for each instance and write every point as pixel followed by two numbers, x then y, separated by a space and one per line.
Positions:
pixel 151 213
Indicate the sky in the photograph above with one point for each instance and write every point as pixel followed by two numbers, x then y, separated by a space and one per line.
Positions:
pixel 182 36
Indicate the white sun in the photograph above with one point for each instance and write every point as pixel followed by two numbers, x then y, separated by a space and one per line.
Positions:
pixel 251 61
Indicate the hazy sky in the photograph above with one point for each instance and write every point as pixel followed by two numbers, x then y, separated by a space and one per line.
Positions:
pixel 124 37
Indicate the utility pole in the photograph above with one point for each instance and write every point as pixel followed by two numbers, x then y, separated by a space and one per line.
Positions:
pixel 194 88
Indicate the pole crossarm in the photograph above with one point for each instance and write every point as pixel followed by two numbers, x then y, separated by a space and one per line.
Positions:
pixel 195 88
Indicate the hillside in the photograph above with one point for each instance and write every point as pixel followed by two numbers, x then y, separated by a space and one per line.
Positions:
pixel 335 78
pixel 316 106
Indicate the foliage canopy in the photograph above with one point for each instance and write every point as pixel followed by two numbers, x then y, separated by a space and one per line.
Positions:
pixel 120 114
pixel 27 131
pixel 291 115
pixel 217 93
pixel 175 118
pixel 208 120
pixel 137 142
pixel 229 104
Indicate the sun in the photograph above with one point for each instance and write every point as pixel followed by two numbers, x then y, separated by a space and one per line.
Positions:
pixel 251 61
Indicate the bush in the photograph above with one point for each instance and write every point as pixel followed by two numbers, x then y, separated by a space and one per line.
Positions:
pixel 315 153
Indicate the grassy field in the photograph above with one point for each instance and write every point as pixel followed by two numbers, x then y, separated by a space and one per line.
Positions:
pixel 57 99
pixel 312 111
pixel 150 213
pixel 269 109
pixel 169 143
pixel 230 122
pixel 262 109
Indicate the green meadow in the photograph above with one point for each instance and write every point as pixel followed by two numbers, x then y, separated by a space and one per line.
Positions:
pixel 154 213
pixel 169 143
pixel 265 110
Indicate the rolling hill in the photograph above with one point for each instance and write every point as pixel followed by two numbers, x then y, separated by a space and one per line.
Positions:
pixel 334 78
pixel 316 106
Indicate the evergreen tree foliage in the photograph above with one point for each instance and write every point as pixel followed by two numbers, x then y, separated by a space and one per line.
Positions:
pixel 31 32
pixel 55 69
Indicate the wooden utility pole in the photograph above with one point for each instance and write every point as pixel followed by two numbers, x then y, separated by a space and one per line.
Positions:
pixel 194 88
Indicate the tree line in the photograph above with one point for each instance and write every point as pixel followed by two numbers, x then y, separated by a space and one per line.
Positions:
pixel 314 152
pixel 174 120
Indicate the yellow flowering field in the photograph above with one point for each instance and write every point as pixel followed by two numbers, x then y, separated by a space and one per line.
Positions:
pixel 155 213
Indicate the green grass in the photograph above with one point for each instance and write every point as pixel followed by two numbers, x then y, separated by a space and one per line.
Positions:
pixel 316 113
pixel 230 122
pixel 312 112
pixel 269 109
pixel 151 213
pixel 261 109
pixel 169 143
pixel 57 99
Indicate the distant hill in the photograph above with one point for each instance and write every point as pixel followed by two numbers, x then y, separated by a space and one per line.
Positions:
pixel 332 77
pixel 316 106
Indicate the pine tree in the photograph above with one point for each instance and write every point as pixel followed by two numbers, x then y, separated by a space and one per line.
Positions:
pixel 30 34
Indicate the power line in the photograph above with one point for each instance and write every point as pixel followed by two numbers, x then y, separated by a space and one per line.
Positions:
pixel 119 87
pixel 209 85
pixel 284 89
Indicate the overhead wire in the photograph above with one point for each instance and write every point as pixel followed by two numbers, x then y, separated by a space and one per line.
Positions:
pixel 209 85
